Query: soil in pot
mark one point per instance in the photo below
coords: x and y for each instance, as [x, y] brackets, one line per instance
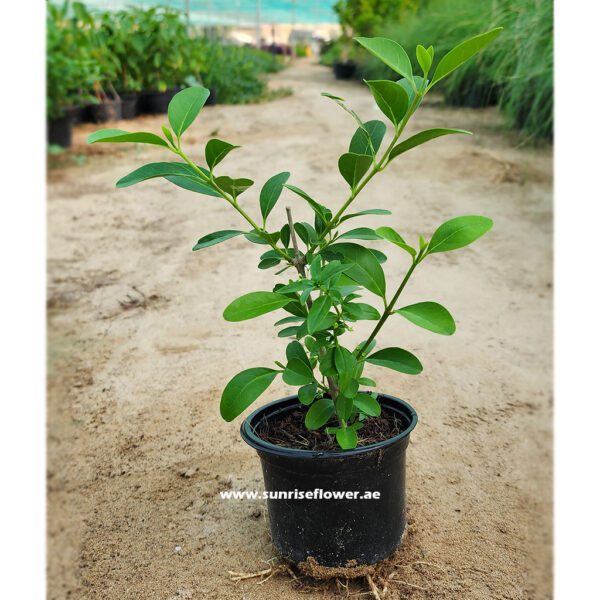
[288, 431]
[344, 70]
[60, 131]
[129, 106]
[107, 110]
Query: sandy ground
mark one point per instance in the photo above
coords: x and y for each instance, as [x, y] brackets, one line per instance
[134, 386]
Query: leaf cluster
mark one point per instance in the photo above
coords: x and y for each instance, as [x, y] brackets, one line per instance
[331, 277]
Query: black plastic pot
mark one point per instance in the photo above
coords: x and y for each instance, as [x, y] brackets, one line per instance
[60, 131]
[344, 70]
[129, 106]
[109, 110]
[212, 98]
[76, 113]
[157, 103]
[335, 531]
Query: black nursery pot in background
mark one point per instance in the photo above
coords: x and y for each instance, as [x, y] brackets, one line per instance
[109, 110]
[129, 106]
[335, 531]
[157, 103]
[60, 131]
[344, 70]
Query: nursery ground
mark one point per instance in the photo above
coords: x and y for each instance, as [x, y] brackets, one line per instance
[138, 354]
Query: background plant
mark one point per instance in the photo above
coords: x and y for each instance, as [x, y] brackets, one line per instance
[327, 269]
[134, 50]
[518, 75]
[235, 72]
[70, 67]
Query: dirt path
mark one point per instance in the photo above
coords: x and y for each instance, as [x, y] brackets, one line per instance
[134, 385]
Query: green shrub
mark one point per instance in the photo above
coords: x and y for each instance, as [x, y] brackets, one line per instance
[366, 17]
[235, 72]
[166, 47]
[516, 74]
[70, 68]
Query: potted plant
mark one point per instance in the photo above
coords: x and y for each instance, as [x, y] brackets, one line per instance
[69, 74]
[166, 52]
[336, 435]
[118, 32]
[344, 65]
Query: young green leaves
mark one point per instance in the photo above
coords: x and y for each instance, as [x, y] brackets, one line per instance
[457, 233]
[185, 107]
[244, 389]
[462, 53]
[270, 192]
[253, 305]
[390, 52]
[215, 151]
[391, 98]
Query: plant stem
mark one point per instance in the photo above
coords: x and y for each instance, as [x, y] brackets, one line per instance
[388, 311]
[231, 200]
[300, 267]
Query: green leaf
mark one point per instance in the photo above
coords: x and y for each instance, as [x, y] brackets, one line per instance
[287, 320]
[319, 209]
[319, 413]
[367, 139]
[332, 96]
[267, 263]
[216, 238]
[307, 393]
[421, 138]
[193, 185]
[318, 315]
[389, 52]
[244, 389]
[367, 381]
[233, 186]
[345, 365]
[295, 350]
[270, 192]
[431, 316]
[326, 365]
[297, 372]
[184, 108]
[359, 311]
[306, 232]
[423, 59]
[180, 174]
[365, 268]
[397, 359]
[253, 305]
[167, 133]
[289, 331]
[120, 136]
[346, 438]
[216, 150]
[370, 211]
[391, 98]
[459, 232]
[361, 233]
[391, 235]
[343, 407]
[331, 270]
[368, 405]
[463, 52]
[353, 167]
